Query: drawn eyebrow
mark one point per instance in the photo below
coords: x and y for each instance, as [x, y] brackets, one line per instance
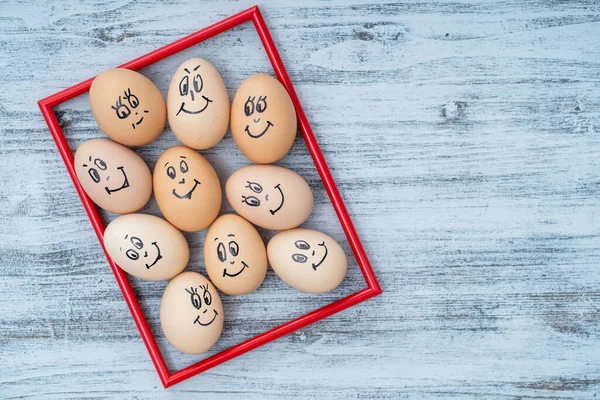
[126, 236]
[166, 163]
[198, 66]
[84, 165]
[215, 239]
[90, 158]
[182, 157]
[186, 70]
[231, 234]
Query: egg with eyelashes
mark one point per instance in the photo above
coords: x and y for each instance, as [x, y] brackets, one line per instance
[307, 260]
[263, 119]
[270, 196]
[113, 176]
[191, 313]
[186, 188]
[198, 104]
[234, 255]
[146, 246]
[127, 106]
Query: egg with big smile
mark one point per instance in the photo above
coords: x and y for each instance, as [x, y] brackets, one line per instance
[187, 189]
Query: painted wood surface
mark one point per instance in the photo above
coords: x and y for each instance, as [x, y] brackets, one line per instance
[464, 137]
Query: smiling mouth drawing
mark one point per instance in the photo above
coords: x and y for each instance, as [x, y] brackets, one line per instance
[158, 257]
[188, 195]
[269, 124]
[315, 266]
[244, 266]
[191, 111]
[123, 186]
[197, 320]
[282, 200]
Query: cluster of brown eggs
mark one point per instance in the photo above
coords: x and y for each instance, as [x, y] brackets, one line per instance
[131, 111]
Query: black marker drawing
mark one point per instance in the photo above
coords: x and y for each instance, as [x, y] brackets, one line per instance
[184, 90]
[196, 301]
[254, 201]
[123, 111]
[250, 107]
[95, 175]
[183, 168]
[134, 254]
[278, 187]
[301, 258]
[234, 250]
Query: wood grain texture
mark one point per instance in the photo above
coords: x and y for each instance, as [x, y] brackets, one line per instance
[464, 137]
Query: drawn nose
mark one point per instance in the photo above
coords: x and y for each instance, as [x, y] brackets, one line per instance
[182, 181]
[231, 262]
[108, 177]
[136, 113]
[145, 254]
[192, 93]
[204, 312]
[256, 121]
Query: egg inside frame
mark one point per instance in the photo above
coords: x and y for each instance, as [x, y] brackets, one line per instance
[372, 289]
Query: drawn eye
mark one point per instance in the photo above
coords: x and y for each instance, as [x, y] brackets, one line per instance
[299, 258]
[94, 175]
[255, 187]
[207, 297]
[131, 99]
[221, 252]
[249, 106]
[184, 85]
[171, 172]
[121, 109]
[196, 301]
[183, 166]
[234, 248]
[132, 254]
[252, 201]
[198, 83]
[302, 245]
[137, 242]
[100, 164]
[261, 104]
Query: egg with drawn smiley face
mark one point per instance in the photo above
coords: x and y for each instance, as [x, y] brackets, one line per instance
[270, 196]
[127, 106]
[234, 255]
[113, 176]
[186, 188]
[146, 246]
[307, 260]
[191, 313]
[263, 119]
[198, 104]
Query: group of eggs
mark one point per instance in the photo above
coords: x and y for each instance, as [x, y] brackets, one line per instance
[131, 111]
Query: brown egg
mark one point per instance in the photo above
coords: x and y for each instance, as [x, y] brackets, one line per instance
[263, 119]
[146, 246]
[114, 177]
[191, 313]
[198, 104]
[234, 255]
[307, 260]
[269, 196]
[127, 107]
[187, 189]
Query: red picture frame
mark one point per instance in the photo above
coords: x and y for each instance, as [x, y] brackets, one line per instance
[372, 289]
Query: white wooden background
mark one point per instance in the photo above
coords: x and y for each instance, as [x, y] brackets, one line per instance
[464, 137]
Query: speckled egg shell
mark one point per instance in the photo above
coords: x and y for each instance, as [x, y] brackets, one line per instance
[270, 196]
[114, 177]
[234, 255]
[146, 246]
[263, 119]
[307, 260]
[186, 188]
[127, 106]
[191, 313]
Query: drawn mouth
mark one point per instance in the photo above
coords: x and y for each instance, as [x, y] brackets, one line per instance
[315, 266]
[269, 124]
[197, 320]
[192, 111]
[123, 186]
[244, 266]
[282, 200]
[158, 257]
[188, 195]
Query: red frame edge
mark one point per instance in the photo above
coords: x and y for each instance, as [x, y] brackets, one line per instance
[373, 288]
